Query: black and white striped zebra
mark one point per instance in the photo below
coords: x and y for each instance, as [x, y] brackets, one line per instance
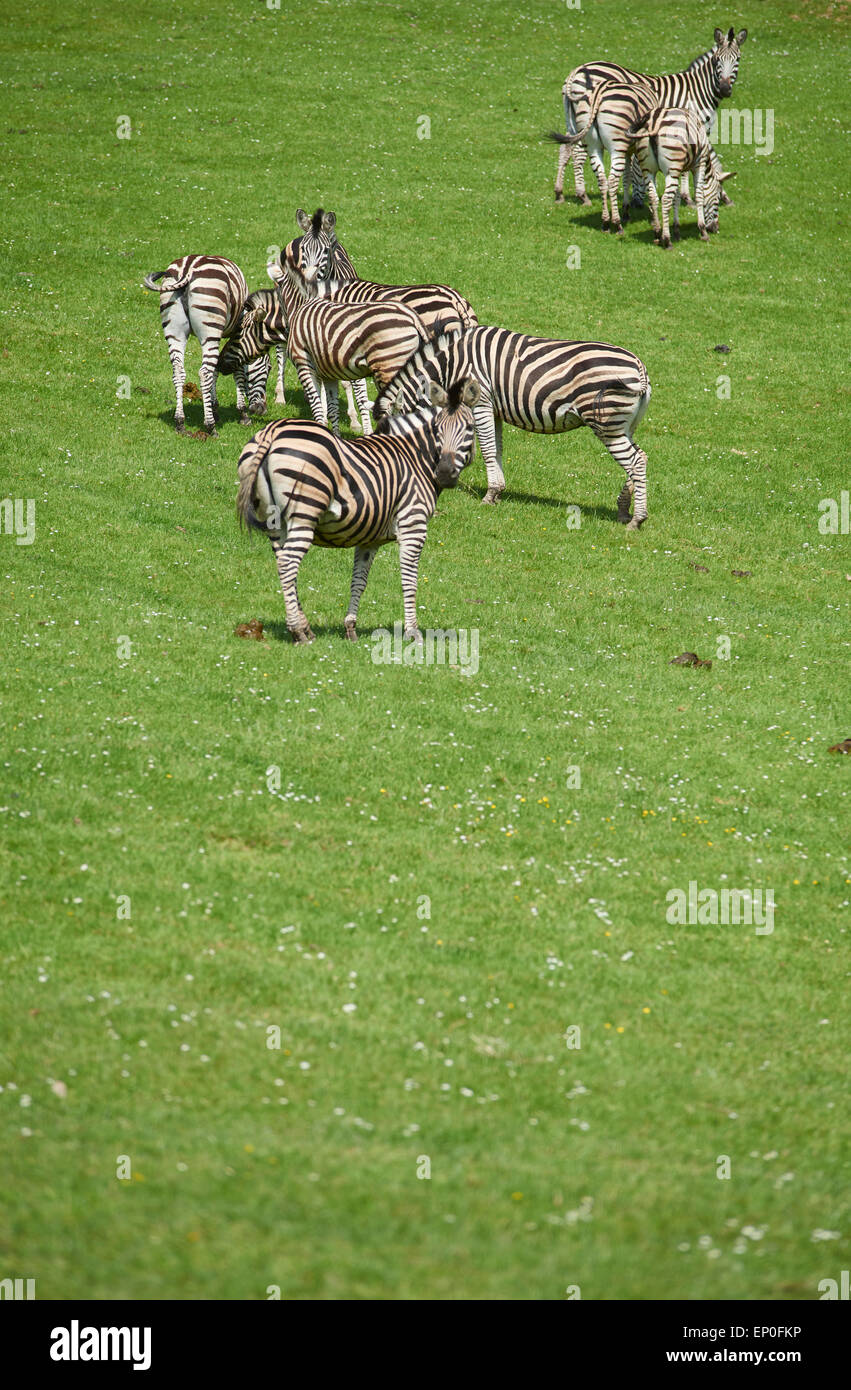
[200, 295]
[673, 141]
[331, 342]
[304, 487]
[616, 105]
[261, 325]
[539, 384]
[576, 97]
[434, 304]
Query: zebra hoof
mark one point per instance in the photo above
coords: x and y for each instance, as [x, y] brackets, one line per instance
[413, 634]
[584, 201]
[302, 635]
[491, 497]
[637, 521]
[624, 518]
[244, 419]
[559, 197]
[618, 231]
[180, 426]
[350, 634]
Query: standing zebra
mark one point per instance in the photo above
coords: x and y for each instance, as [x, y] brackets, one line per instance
[674, 141]
[331, 342]
[203, 295]
[304, 487]
[576, 96]
[433, 304]
[539, 384]
[615, 106]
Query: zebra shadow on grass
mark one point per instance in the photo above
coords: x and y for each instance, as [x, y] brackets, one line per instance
[532, 499]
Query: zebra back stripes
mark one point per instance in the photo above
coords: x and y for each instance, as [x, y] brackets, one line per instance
[433, 304]
[545, 385]
[303, 487]
[203, 295]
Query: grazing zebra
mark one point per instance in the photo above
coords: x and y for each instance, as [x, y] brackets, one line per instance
[576, 96]
[674, 141]
[539, 384]
[331, 342]
[615, 106]
[304, 487]
[261, 325]
[203, 295]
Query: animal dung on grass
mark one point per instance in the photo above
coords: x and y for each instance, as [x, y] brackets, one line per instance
[688, 659]
[721, 347]
[843, 747]
[253, 630]
[701, 569]
[741, 574]
[191, 392]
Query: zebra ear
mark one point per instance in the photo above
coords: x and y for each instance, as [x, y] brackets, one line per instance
[730, 175]
[304, 220]
[397, 405]
[719, 38]
[275, 272]
[437, 395]
[741, 36]
[329, 222]
[472, 392]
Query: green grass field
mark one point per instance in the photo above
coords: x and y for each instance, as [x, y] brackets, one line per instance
[162, 910]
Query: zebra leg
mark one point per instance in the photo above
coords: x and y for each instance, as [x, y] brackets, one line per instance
[281, 354]
[564, 155]
[360, 574]
[667, 202]
[240, 379]
[699, 187]
[634, 463]
[684, 191]
[289, 554]
[653, 200]
[332, 402]
[580, 155]
[616, 169]
[411, 540]
[176, 352]
[489, 430]
[209, 358]
[313, 393]
[354, 398]
[600, 170]
[675, 232]
[361, 396]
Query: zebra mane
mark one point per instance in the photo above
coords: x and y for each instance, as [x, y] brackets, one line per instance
[317, 221]
[407, 423]
[701, 58]
[429, 351]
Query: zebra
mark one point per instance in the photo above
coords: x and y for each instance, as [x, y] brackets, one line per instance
[261, 325]
[539, 384]
[433, 304]
[674, 141]
[203, 295]
[615, 106]
[304, 487]
[576, 95]
[332, 342]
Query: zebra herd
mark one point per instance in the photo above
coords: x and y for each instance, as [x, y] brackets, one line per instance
[442, 377]
[650, 124]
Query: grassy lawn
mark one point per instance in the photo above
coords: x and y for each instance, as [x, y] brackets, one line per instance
[513, 832]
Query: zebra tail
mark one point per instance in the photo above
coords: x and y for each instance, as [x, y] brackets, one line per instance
[251, 461]
[169, 286]
[638, 387]
[639, 124]
[150, 281]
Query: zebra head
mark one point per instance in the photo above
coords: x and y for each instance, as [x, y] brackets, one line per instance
[311, 256]
[454, 427]
[245, 356]
[713, 180]
[725, 58]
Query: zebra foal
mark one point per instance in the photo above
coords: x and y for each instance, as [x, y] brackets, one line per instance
[540, 384]
[305, 487]
[200, 295]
